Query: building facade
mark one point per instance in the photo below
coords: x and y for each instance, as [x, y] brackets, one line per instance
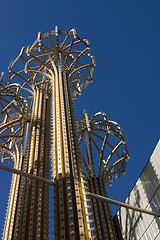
[132, 225]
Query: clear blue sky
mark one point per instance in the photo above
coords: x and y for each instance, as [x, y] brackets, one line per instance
[125, 40]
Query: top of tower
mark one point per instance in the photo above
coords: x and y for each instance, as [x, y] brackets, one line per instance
[106, 137]
[35, 63]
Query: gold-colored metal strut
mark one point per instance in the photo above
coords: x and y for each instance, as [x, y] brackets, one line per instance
[69, 194]
[36, 193]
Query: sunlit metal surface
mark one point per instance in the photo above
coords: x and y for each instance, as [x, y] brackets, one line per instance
[40, 136]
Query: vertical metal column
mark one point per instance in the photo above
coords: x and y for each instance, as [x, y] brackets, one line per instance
[27, 216]
[69, 218]
[34, 226]
[76, 166]
[102, 220]
[12, 203]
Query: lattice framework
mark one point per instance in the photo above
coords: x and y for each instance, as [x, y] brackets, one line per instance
[43, 81]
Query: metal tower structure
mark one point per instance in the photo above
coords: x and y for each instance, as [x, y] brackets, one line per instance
[41, 137]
